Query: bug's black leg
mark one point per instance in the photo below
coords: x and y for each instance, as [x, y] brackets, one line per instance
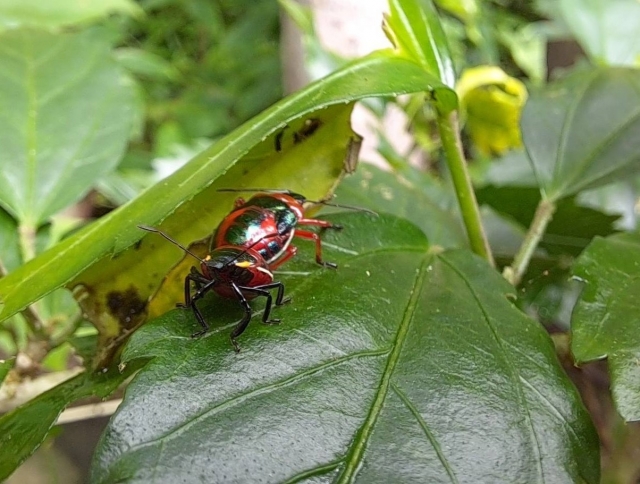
[190, 301]
[244, 322]
[263, 291]
[198, 279]
[280, 299]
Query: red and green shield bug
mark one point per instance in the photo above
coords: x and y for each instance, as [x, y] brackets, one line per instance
[232, 272]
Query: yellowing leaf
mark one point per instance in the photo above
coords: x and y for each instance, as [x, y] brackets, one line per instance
[492, 102]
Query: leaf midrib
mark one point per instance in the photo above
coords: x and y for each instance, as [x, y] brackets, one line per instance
[354, 457]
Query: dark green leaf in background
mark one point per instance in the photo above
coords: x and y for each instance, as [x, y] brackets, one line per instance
[392, 193]
[25, 428]
[66, 118]
[582, 132]
[606, 320]
[396, 367]
[569, 232]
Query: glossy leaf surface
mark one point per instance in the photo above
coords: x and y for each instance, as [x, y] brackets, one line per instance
[59, 13]
[66, 117]
[25, 428]
[396, 367]
[582, 132]
[605, 322]
[380, 74]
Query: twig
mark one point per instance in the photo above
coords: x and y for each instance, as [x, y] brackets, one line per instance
[544, 214]
[450, 136]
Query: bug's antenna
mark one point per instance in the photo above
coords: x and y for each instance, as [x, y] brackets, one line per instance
[348, 207]
[151, 229]
[253, 189]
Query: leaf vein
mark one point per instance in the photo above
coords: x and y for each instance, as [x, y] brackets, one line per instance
[427, 432]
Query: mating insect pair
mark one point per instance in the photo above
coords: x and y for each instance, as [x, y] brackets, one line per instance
[249, 243]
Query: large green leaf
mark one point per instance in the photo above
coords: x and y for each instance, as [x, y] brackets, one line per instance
[582, 132]
[66, 117]
[23, 430]
[414, 28]
[59, 13]
[400, 366]
[607, 30]
[605, 322]
[380, 74]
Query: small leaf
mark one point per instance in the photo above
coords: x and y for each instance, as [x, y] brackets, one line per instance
[5, 366]
[10, 256]
[60, 13]
[607, 31]
[414, 28]
[582, 132]
[66, 116]
[23, 430]
[492, 102]
[606, 319]
[392, 368]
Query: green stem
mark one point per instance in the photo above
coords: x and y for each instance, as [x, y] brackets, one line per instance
[450, 137]
[27, 235]
[544, 214]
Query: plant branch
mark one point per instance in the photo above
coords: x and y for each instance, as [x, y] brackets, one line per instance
[544, 214]
[27, 236]
[450, 136]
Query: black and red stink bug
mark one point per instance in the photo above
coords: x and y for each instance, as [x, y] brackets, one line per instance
[232, 272]
[268, 221]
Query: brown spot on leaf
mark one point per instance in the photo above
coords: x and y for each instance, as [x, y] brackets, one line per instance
[126, 307]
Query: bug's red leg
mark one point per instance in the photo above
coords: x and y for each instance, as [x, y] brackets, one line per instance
[319, 223]
[288, 254]
[304, 234]
[239, 202]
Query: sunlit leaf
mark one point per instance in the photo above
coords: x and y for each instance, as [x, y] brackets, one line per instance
[414, 28]
[66, 116]
[60, 13]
